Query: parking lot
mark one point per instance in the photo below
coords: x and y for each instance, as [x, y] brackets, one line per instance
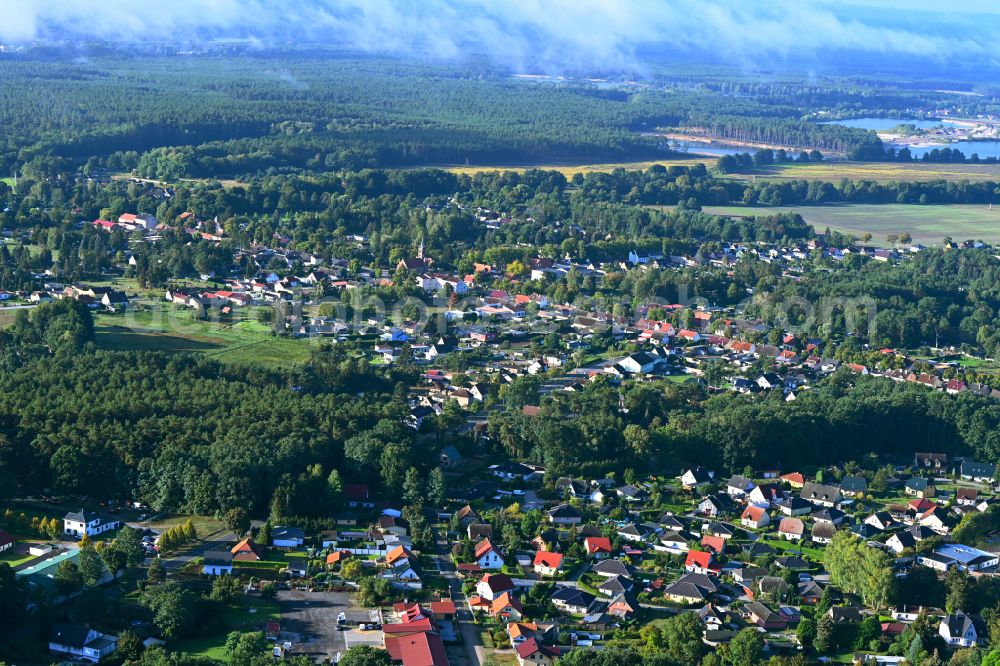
[309, 622]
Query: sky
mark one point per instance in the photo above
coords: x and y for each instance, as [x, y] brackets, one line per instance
[606, 33]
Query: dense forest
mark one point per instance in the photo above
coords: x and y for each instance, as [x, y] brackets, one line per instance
[226, 116]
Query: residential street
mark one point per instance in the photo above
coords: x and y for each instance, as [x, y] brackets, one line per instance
[475, 653]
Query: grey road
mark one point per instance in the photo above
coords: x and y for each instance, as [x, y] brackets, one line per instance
[474, 651]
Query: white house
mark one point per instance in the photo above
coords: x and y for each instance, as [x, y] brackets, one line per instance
[78, 523]
[696, 477]
[217, 563]
[83, 642]
[488, 556]
[639, 362]
[959, 630]
[493, 585]
[755, 517]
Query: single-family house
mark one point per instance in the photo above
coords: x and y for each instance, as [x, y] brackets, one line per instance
[853, 486]
[715, 505]
[572, 600]
[78, 523]
[217, 562]
[691, 588]
[81, 642]
[962, 630]
[598, 547]
[533, 653]
[978, 471]
[695, 478]
[491, 586]
[820, 494]
[822, 532]
[489, 556]
[547, 563]
[699, 562]
[766, 495]
[507, 608]
[791, 528]
[564, 514]
[611, 568]
[283, 536]
[880, 520]
[754, 517]
[918, 486]
[764, 617]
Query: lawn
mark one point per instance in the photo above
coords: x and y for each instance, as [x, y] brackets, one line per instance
[926, 224]
[161, 327]
[247, 615]
[834, 171]
[784, 545]
[15, 559]
[205, 526]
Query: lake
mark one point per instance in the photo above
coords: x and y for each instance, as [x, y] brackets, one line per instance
[983, 148]
[717, 148]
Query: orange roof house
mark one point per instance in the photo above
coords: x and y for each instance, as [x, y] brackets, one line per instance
[337, 557]
[246, 551]
[506, 606]
[547, 563]
[396, 554]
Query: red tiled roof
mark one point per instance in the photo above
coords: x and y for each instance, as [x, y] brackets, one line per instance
[483, 547]
[417, 650]
[598, 545]
[532, 646]
[714, 543]
[443, 607]
[421, 625]
[698, 558]
[548, 559]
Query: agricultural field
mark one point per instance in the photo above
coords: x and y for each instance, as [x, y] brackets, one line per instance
[160, 327]
[7, 181]
[926, 224]
[835, 170]
[569, 170]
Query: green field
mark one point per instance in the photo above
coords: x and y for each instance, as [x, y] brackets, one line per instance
[247, 615]
[7, 181]
[160, 327]
[834, 171]
[927, 224]
[570, 170]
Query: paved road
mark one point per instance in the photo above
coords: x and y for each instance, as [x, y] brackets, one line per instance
[475, 653]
